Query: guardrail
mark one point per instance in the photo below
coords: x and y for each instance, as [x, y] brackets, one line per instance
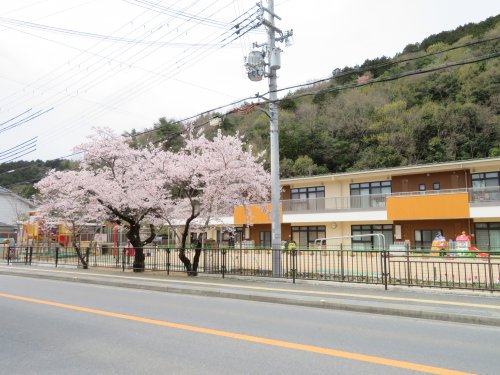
[446, 269]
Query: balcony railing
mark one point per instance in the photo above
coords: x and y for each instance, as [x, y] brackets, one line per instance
[374, 201]
[484, 194]
[378, 201]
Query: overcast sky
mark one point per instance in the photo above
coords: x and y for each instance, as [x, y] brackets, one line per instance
[67, 66]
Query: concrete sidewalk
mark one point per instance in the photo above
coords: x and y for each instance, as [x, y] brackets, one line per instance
[474, 307]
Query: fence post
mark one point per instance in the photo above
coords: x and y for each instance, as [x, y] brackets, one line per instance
[384, 252]
[294, 264]
[57, 255]
[408, 267]
[31, 254]
[223, 266]
[490, 271]
[26, 257]
[8, 255]
[123, 258]
[342, 271]
[167, 266]
[156, 255]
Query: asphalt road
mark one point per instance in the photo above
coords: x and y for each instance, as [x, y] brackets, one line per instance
[69, 328]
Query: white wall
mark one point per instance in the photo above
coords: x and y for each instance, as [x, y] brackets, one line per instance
[12, 208]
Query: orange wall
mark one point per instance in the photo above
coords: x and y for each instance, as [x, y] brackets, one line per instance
[418, 207]
[254, 214]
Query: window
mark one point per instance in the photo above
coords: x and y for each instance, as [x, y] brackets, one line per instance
[487, 236]
[485, 186]
[305, 236]
[308, 192]
[371, 242]
[265, 239]
[424, 237]
[436, 186]
[369, 194]
[421, 187]
[308, 198]
[481, 180]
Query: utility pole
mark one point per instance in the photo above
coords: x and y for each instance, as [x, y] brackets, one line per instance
[256, 67]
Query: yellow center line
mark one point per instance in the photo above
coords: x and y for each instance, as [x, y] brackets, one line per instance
[255, 339]
[268, 289]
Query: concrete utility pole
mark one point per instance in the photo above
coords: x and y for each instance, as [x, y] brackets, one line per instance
[256, 70]
[275, 148]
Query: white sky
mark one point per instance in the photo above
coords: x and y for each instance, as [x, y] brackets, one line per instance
[93, 82]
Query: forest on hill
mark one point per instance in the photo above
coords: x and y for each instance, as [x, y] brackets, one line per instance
[438, 100]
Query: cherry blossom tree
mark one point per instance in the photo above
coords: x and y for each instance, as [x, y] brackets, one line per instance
[193, 187]
[63, 200]
[207, 179]
[122, 184]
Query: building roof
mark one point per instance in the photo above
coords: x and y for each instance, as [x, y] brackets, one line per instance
[4, 225]
[409, 169]
[4, 191]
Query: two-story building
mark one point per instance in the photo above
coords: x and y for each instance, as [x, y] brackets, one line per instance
[413, 203]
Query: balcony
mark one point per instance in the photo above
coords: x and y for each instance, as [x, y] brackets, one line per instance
[485, 194]
[356, 202]
[475, 196]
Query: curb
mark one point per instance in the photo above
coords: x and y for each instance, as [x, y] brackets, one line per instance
[391, 311]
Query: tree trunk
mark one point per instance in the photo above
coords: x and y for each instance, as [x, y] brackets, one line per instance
[185, 260]
[134, 237]
[83, 260]
[74, 234]
[182, 252]
[197, 254]
[139, 264]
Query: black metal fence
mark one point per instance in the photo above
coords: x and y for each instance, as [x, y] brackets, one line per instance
[455, 270]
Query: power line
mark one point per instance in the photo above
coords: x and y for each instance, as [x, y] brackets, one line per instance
[18, 147]
[398, 76]
[137, 89]
[13, 118]
[27, 119]
[51, 80]
[98, 79]
[388, 64]
[19, 154]
[106, 38]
